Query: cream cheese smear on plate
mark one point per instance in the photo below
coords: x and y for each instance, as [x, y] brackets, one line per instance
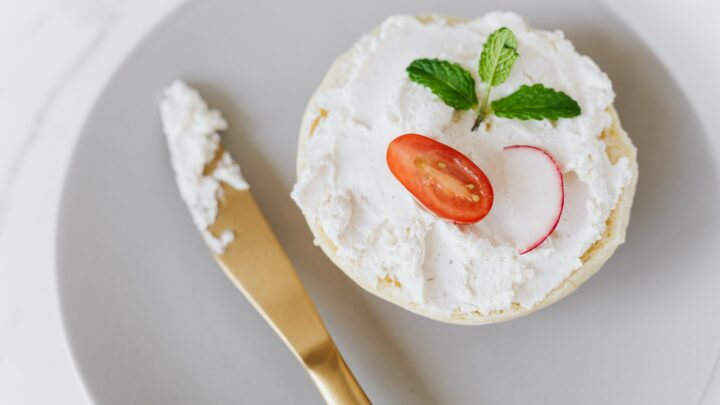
[191, 129]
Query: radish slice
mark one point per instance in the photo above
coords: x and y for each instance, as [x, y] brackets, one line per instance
[536, 194]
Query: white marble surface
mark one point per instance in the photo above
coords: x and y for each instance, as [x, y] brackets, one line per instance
[56, 55]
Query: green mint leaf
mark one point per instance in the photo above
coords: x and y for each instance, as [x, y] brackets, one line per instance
[536, 102]
[449, 81]
[498, 56]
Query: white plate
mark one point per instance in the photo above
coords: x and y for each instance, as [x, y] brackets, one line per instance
[151, 319]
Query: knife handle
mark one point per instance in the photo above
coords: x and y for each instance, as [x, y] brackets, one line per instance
[333, 377]
[257, 265]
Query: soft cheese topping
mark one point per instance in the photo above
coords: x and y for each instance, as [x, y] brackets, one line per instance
[379, 232]
[191, 129]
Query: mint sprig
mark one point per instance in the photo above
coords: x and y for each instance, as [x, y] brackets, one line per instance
[456, 87]
[536, 102]
[449, 81]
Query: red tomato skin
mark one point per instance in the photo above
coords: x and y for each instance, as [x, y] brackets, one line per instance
[417, 161]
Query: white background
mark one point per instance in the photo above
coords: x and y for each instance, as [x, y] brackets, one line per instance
[55, 57]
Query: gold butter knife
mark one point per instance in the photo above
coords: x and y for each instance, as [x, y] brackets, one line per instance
[243, 243]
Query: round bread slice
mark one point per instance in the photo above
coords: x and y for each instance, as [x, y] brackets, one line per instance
[618, 145]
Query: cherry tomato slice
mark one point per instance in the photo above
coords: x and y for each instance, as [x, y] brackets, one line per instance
[442, 179]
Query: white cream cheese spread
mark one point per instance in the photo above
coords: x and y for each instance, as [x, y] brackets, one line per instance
[191, 129]
[378, 230]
